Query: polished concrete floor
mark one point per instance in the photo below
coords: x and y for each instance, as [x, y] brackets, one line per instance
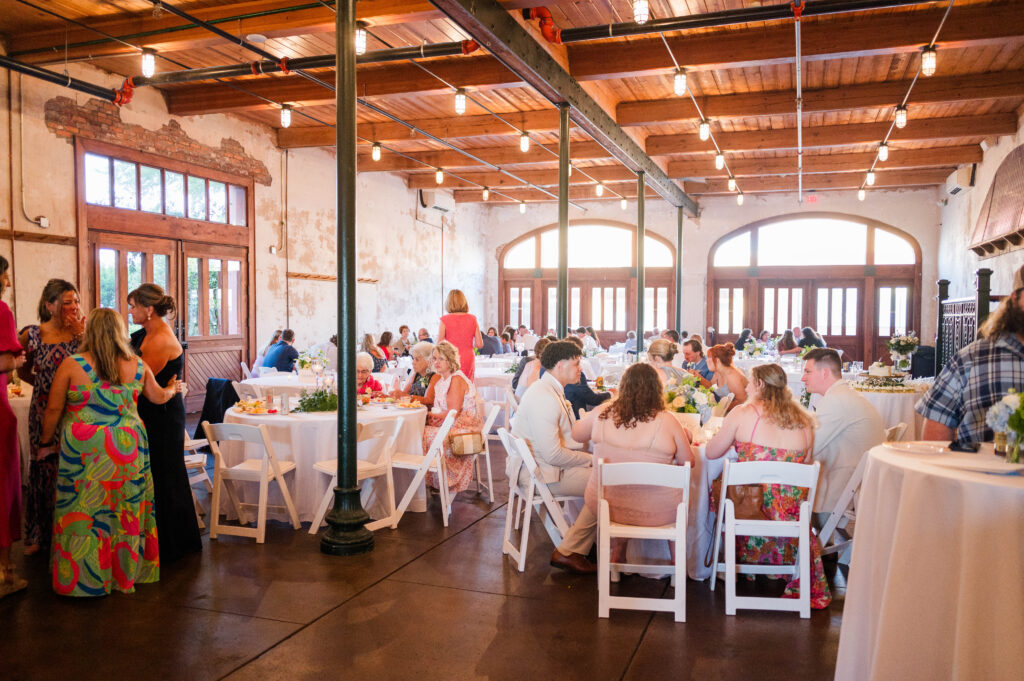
[428, 603]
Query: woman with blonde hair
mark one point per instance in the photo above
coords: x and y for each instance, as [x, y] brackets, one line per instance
[659, 355]
[105, 534]
[371, 348]
[461, 329]
[453, 390]
[772, 426]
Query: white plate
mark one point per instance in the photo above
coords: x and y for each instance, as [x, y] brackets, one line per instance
[918, 447]
[983, 464]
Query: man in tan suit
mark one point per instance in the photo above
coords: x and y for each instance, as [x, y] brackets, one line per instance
[545, 419]
[848, 425]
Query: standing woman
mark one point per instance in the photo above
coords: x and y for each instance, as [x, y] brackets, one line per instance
[11, 357]
[165, 424]
[61, 329]
[461, 329]
[105, 535]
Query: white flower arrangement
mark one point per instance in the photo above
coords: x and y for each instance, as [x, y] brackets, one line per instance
[688, 396]
[904, 344]
[307, 359]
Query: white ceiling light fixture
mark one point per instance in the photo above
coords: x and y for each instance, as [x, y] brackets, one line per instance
[599, 189]
[486, 194]
[148, 62]
[732, 184]
[256, 38]
[870, 179]
[883, 152]
[524, 142]
[861, 194]
[622, 204]
[522, 207]
[719, 161]
[679, 82]
[375, 151]
[901, 116]
[928, 61]
[286, 115]
[739, 199]
[460, 101]
[361, 37]
[641, 11]
[439, 176]
[704, 130]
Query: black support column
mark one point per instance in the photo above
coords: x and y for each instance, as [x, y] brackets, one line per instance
[679, 269]
[562, 299]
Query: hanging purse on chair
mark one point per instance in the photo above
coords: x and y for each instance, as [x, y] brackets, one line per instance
[466, 444]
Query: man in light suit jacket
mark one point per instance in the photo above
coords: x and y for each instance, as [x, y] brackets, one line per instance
[848, 426]
[545, 419]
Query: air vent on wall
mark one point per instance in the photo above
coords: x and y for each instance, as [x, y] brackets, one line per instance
[961, 179]
[438, 200]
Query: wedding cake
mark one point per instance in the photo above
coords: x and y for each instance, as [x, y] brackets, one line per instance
[879, 369]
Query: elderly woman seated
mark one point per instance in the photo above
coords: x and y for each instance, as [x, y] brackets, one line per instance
[452, 390]
[421, 384]
[365, 382]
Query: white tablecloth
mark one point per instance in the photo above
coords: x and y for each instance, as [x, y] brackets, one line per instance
[308, 438]
[898, 408]
[935, 588]
[492, 377]
[281, 384]
[20, 406]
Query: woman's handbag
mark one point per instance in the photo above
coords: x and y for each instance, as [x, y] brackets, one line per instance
[466, 444]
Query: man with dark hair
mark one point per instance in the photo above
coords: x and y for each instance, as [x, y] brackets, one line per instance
[424, 336]
[848, 425]
[671, 335]
[696, 362]
[579, 394]
[282, 354]
[588, 341]
[979, 375]
[545, 419]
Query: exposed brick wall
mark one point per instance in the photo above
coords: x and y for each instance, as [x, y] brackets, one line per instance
[100, 120]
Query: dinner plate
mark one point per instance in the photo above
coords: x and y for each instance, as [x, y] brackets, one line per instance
[918, 447]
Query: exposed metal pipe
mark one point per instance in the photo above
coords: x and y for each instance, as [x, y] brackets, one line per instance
[640, 238]
[798, 9]
[59, 79]
[679, 269]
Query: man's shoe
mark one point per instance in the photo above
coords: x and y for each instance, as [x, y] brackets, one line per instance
[575, 563]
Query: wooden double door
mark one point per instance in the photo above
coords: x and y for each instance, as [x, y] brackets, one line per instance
[209, 286]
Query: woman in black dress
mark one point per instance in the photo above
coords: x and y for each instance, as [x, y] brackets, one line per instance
[177, 529]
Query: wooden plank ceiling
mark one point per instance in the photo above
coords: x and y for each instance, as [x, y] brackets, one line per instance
[856, 68]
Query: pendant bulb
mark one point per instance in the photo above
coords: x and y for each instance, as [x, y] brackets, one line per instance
[360, 38]
[870, 179]
[522, 207]
[732, 184]
[901, 117]
[623, 204]
[148, 62]
[524, 142]
[719, 161]
[928, 61]
[883, 152]
[375, 151]
[861, 194]
[439, 176]
[486, 194]
[460, 101]
[679, 82]
[641, 11]
[599, 189]
[739, 199]
[704, 130]
[286, 116]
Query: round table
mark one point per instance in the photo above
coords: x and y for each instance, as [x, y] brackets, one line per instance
[935, 590]
[20, 406]
[896, 408]
[308, 438]
[281, 384]
[493, 378]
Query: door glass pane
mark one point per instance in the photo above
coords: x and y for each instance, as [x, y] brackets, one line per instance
[782, 243]
[851, 312]
[737, 310]
[734, 253]
[552, 307]
[607, 320]
[620, 308]
[798, 309]
[237, 205]
[152, 200]
[574, 308]
[892, 250]
[233, 293]
[837, 311]
[524, 299]
[901, 311]
[134, 261]
[160, 263]
[193, 296]
[174, 191]
[125, 188]
[723, 310]
[662, 308]
[769, 308]
[648, 308]
[214, 297]
[218, 202]
[108, 278]
[97, 180]
[822, 321]
[783, 320]
[595, 308]
[513, 305]
[196, 198]
[523, 254]
[884, 311]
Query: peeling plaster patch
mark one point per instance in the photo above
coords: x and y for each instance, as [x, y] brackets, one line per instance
[100, 120]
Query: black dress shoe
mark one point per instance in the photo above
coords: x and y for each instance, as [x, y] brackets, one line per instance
[575, 563]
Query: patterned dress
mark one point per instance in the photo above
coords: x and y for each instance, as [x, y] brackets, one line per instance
[420, 384]
[105, 535]
[42, 475]
[781, 502]
[459, 469]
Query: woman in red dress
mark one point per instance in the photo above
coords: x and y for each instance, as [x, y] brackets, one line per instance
[12, 356]
[461, 329]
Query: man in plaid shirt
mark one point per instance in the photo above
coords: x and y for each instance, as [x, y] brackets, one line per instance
[979, 375]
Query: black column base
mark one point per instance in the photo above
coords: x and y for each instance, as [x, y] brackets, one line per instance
[345, 534]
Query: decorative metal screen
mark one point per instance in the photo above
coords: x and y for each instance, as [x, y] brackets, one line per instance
[959, 326]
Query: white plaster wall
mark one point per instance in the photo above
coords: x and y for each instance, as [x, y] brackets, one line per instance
[956, 261]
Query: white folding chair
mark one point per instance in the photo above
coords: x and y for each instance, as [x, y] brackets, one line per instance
[895, 433]
[374, 449]
[268, 371]
[247, 391]
[523, 498]
[492, 416]
[263, 470]
[246, 374]
[422, 463]
[728, 527]
[647, 474]
[195, 466]
[511, 407]
[387, 381]
[723, 405]
[837, 532]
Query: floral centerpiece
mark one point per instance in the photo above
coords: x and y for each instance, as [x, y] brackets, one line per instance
[901, 348]
[310, 359]
[688, 396]
[1006, 419]
[321, 399]
[756, 348]
[804, 351]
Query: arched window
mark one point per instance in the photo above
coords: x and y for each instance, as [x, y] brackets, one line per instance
[854, 280]
[602, 280]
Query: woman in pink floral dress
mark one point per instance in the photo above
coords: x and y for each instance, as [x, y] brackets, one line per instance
[452, 391]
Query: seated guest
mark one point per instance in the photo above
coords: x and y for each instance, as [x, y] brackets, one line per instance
[579, 394]
[452, 390]
[660, 355]
[526, 337]
[545, 421]
[506, 344]
[727, 379]
[420, 385]
[765, 336]
[696, 364]
[331, 350]
[684, 334]
[671, 335]
[787, 345]
[593, 334]
[404, 342]
[424, 335]
[492, 332]
[746, 336]
[848, 425]
[365, 382]
[810, 339]
[697, 337]
[370, 348]
[282, 354]
[529, 369]
[492, 344]
[385, 345]
[772, 426]
[979, 375]
[589, 344]
[631, 342]
[256, 365]
[636, 427]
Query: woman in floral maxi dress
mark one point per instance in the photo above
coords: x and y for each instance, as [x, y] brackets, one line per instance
[452, 391]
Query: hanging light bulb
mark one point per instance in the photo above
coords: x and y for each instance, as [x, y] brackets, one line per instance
[679, 82]
[360, 37]
[375, 151]
[861, 194]
[719, 161]
[623, 204]
[641, 11]
[928, 61]
[439, 176]
[486, 194]
[524, 142]
[460, 101]
[870, 179]
[599, 189]
[883, 152]
[732, 184]
[148, 62]
[570, 170]
[901, 117]
[705, 130]
[286, 116]
[739, 199]
[522, 207]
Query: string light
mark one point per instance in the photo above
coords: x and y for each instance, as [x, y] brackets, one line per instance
[861, 194]
[928, 61]
[570, 170]
[739, 199]
[704, 130]
[360, 37]
[439, 176]
[641, 11]
[623, 204]
[375, 151]
[148, 62]
[286, 116]
[870, 179]
[522, 207]
[901, 117]
[883, 152]
[524, 142]
[599, 189]
[732, 184]
[486, 194]
[719, 161]
[679, 82]
[460, 101]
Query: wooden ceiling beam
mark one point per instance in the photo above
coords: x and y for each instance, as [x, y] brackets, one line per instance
[936, 90]
[499, 156]
[823, 38]
[883, 179]
[543, 178]
[534, 196]
[837, 135]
